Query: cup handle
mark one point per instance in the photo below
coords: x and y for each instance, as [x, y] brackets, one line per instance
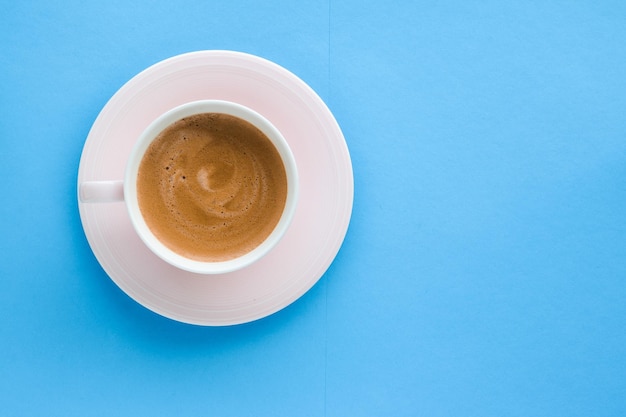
[101, 191]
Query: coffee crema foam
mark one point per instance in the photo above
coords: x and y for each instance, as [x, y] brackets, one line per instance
[211, 187]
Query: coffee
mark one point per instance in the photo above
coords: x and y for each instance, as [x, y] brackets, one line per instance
[211, 187]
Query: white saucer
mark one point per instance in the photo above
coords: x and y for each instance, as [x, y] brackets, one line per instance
[324, 207]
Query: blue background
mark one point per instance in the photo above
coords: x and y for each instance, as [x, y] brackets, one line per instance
[484, 270]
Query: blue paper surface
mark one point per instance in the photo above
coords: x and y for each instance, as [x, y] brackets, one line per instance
[484, 270]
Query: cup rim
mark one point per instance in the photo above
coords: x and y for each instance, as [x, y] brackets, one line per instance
[142, 144]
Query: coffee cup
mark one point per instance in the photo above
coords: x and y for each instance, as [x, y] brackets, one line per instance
[210, 186]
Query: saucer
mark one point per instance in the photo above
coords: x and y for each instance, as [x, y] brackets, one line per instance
[318, 227]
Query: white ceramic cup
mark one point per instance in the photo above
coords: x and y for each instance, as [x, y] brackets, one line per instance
[126, 190]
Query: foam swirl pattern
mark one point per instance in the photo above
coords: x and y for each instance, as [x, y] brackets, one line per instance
[211, 187]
